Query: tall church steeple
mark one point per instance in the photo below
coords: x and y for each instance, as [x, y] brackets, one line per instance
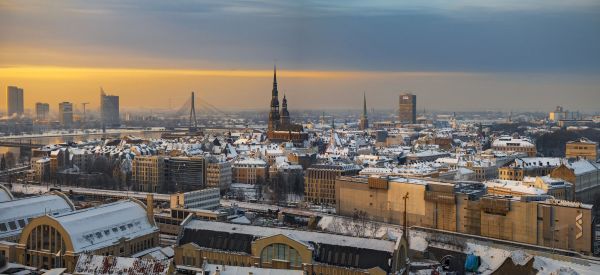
[364, 120]
[285, 115]
[274, 113]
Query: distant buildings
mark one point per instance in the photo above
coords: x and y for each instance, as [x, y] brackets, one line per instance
[558, 114]
[42, 111]
[14, 101]
[109, 110]
[407, 113]
[65, 114]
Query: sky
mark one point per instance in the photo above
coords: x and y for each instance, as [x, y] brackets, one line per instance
[455, 55]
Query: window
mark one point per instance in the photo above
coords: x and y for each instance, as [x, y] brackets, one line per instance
[12, 225]
[283, 252]
[21, 223]
[3, 227]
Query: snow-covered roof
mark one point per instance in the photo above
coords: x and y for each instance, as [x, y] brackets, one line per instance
[212, 269]
[515, 186]
[97, 265]
[305, 236]
[582, 166]
[505, 141]
[16, 213]
[101, 226]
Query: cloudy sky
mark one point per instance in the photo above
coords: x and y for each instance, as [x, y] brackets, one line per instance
[455, 55]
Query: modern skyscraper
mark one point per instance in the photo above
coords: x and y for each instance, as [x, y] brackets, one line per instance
[65, 114]
[407, 109]
[364, 120]
[109, 110]
[14, 100]
[42, 110]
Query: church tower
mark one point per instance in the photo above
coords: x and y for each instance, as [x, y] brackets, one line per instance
[285, 115]
[274, 113]
[364, 120]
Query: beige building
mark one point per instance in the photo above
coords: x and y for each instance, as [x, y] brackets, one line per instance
[250, 171]
[219, 175]
[319, 181]
[582, 148]
[148, 173]
[464, 208]
[121, 228]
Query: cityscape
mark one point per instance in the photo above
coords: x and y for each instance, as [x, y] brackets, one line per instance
[267, 137]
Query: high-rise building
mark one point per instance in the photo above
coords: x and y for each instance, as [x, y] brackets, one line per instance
[280, 128]
[274, 113]
[319, 182]
[65, 114]
[14, 100]
[184, 174]
[407, 109]
[364, 120]
[148, 173]
[109, 110]
[219, 174]
[42, 110]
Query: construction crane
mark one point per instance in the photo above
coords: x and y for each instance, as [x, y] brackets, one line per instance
[84, 118]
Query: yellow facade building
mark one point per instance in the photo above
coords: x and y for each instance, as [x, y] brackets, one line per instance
[583, 148]
[121, 228]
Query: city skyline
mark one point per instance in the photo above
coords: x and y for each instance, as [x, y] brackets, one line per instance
[508, 55]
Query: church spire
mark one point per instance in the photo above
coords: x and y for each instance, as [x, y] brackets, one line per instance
[364, 104]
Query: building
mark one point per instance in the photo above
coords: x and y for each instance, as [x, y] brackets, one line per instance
[109, 110]
[219, 174]
[205, 199]
[320, 181]
[584, 175]
[531, 186]
[465, 208]
[221, 243]
[65, 114]
[14, 101]
[185, 174]
[558, 114]
[42, 111]
[121, 229]
[280, 128]
[528, 167]
[512, 144]
[250, 171]
[16, 214]
[582, 148]
[42, 169]
[148, 173]
[364, 120]
[407, 113]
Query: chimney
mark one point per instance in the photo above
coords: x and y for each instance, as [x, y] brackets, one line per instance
[150, 206]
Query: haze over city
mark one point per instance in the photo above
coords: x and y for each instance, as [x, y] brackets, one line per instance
[507, 55]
